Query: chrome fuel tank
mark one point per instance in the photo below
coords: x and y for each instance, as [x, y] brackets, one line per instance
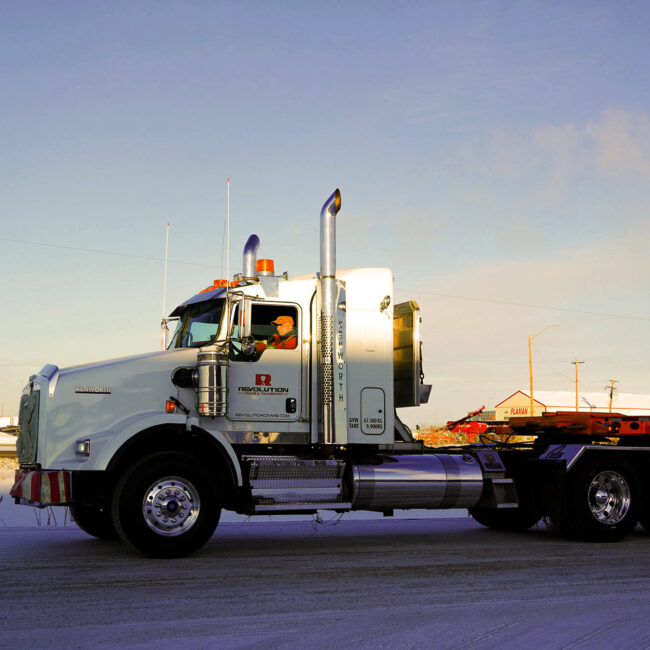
[429, 481]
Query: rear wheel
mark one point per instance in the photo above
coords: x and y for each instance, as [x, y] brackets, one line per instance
[166, 505]
[506, 518]
[601, 501]
[94, 520]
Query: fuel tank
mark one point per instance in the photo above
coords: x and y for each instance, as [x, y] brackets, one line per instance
[429, 481]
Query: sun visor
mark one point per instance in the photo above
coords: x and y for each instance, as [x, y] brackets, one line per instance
[199, 297]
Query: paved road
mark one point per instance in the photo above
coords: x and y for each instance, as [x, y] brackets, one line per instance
[442, 583]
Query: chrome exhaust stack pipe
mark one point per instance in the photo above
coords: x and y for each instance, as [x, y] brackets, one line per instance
[328, 235]
[328, 299]
[250, 258]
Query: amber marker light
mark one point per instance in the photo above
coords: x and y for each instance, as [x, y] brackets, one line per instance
[265, 267]
[170, 407]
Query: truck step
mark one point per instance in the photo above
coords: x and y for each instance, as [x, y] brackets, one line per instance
[499, 492]
[292, 483]
[301, 507]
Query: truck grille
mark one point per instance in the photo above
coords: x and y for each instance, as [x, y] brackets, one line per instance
[28, 422]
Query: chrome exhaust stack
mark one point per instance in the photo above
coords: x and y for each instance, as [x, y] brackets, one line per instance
[330, 344]
[328, 235]
[250, 258]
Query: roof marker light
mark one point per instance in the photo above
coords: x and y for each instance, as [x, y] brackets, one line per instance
[265, 267]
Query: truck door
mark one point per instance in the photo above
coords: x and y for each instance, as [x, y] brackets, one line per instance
[266, 386]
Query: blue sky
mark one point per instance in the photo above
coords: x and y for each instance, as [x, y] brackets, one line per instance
[498, 152]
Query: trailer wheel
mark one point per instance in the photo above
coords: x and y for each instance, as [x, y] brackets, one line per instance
[601, 502]
[167, 505]
[506, 518]
[94, 520]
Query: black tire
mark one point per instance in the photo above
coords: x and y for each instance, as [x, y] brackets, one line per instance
[506, 518]
[601, 501]
[94, 520]
[188, 505]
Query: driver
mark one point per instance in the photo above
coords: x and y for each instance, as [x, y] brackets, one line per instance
[285, 336]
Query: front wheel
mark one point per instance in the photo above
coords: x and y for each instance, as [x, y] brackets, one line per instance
[94, 520]
[167, 505]
[601, 501]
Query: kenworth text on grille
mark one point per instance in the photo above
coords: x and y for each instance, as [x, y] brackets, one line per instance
[277, 395]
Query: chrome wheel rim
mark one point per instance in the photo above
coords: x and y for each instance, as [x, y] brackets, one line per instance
[171, 506]
[609, 497]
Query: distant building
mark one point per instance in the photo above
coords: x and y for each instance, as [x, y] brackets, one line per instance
[486, 416]
[518, 404]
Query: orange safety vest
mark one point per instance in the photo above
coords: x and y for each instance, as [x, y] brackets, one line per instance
[289, 342]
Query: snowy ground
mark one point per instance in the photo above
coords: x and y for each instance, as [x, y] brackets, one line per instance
[440, 583]
[382, 583]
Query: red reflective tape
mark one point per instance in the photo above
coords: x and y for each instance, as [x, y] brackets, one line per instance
[35, 492]
[55, 489]
[43, 487]
[17, 489]
[67, 486]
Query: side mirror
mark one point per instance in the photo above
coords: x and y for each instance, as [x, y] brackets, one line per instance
[245, 317]
[248, 346]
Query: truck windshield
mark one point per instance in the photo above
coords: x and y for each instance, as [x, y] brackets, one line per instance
[198, 325]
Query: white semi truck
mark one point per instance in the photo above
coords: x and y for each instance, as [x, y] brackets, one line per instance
[277, 395]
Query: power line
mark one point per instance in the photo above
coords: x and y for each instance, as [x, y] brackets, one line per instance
[100, 252]
[520, 304]
[405, 289]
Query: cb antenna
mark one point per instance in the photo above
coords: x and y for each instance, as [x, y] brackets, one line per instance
[164, 321]
[227, 320]
[228, 237]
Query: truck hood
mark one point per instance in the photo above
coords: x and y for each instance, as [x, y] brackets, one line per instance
[111, 362]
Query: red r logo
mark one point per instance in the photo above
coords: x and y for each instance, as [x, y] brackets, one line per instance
[262, 380]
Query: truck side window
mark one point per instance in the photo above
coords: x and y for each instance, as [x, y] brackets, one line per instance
[274, 326]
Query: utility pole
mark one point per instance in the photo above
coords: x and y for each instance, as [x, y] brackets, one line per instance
[611, 388]
[576, 363]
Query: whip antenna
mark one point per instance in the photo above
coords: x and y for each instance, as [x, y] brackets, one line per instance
[228, 237]
[163, 322]
[227, 320]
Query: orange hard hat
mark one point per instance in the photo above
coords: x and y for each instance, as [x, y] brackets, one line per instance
[282, 320]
